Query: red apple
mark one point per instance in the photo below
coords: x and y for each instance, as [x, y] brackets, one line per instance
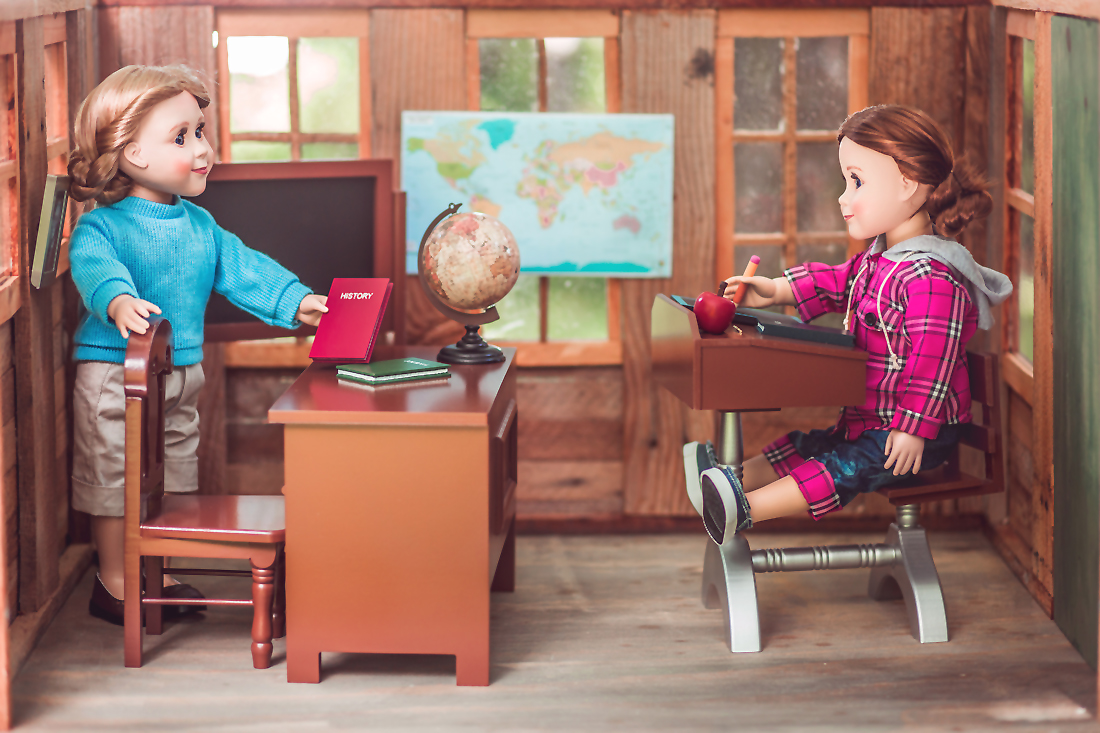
[713, 313]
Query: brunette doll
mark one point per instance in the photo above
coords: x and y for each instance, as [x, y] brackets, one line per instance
[139, 145]
[912, 300]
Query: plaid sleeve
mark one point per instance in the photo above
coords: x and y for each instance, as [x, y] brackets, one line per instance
[819, 289]
[934, 317]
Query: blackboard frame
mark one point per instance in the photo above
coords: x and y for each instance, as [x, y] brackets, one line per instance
[389, 237]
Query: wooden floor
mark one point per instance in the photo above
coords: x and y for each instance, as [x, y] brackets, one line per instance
[607, 633]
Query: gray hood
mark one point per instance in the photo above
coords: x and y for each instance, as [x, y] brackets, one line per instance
[985, 287]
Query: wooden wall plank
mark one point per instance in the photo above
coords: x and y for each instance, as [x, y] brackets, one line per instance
[668, 67]
[559, 489]
[35, 412]
[541, 4]
[18, 9]
[162, 35]
[1043, 395]
[418, 58]
[1075, 50]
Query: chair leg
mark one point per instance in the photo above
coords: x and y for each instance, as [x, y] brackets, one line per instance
[278, 611]
[133, 631]
[913, 578]
[729, 582]
[263, 596]
[154, 588]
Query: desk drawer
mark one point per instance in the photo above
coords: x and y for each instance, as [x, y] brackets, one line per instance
[503, 469]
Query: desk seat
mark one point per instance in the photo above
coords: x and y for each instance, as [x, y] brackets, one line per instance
[219, 518]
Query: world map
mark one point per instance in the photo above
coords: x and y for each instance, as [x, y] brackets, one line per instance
[587, 195]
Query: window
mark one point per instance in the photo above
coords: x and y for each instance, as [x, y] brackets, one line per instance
[784, 82]
[550, 61]
[1020, 185]
[298, 85]
[9, 192]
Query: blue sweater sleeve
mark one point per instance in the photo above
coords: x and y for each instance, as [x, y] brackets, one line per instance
[99, 275]
[255, 282]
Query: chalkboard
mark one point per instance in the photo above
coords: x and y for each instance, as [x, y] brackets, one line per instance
[320, 220]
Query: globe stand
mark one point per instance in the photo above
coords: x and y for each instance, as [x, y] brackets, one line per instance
[471, 349]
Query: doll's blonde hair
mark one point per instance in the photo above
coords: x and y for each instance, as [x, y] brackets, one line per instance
[923, 153]
[109, 118]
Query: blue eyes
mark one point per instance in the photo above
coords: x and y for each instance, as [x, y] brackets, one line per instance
[856, 179]
[183, 134]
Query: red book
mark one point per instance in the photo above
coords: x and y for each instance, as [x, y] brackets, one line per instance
[348, 332]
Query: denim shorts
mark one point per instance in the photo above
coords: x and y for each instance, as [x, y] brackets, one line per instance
[831, 471]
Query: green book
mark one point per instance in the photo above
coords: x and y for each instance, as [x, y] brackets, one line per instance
[393, 370]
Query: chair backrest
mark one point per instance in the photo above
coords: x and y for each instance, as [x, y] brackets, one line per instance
[148, 362]
[951, 481]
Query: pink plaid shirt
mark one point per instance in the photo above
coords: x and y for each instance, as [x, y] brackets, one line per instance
[928, 317]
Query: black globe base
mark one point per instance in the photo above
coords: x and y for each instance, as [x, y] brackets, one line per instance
[471, 349]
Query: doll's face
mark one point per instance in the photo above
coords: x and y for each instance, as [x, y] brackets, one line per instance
[170, 154]
[877, 198]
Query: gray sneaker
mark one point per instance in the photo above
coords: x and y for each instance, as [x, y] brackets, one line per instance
[725, 507]
[698, 457]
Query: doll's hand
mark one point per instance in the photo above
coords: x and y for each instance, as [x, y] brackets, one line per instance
[311, 308]
[903, 452]
[129, 314]
[760, 292]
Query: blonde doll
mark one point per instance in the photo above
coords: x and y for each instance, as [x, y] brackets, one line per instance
[139, 145]
[913, 300]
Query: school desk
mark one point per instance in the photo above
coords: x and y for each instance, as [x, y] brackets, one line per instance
[743, 372]
[400, 509]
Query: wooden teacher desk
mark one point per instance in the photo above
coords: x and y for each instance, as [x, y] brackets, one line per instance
[400, 509]
[735, 373]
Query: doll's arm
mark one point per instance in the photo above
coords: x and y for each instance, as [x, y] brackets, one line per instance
[256, 283]
[817, 289]
[934, 317]
[99, 276]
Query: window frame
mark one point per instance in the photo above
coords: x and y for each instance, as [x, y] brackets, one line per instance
[293, 25]
[539, 25]
[855, 23]
[1019, 372]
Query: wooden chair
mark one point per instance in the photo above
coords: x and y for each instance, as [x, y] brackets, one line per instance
[159, 525]
[902, 566]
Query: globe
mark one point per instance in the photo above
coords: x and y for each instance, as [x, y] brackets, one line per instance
[471, 261]
[468, 262]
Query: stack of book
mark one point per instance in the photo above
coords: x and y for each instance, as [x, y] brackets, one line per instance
[392, 371]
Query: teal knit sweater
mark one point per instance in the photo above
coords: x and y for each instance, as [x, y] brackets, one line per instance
[172, 255]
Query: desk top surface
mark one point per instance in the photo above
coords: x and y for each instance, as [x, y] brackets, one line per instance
[318, 396]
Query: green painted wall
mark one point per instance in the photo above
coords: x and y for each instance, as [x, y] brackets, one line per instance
[1076, 255]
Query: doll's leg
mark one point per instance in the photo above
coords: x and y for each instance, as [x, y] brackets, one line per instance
[781, 498]
[108, 533]
[758, 472]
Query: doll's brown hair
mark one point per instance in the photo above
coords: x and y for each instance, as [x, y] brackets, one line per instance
[109, 118]
[923, 154]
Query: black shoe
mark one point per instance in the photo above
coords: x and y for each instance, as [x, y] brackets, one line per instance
[725, 508]
[105, 606]
[181, 590]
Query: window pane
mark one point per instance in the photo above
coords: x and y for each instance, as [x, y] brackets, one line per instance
[259, 86]
[509, 74]
[771, 259]
[822, 94]
[574, 75]
[1026, 295]
[830, 254]
[328, 84]
[758, 171]
[247, 151]
[519, 313]
[758, 84]
[820, 184]
[328, 151]
[1027, 94]
[577, 309]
